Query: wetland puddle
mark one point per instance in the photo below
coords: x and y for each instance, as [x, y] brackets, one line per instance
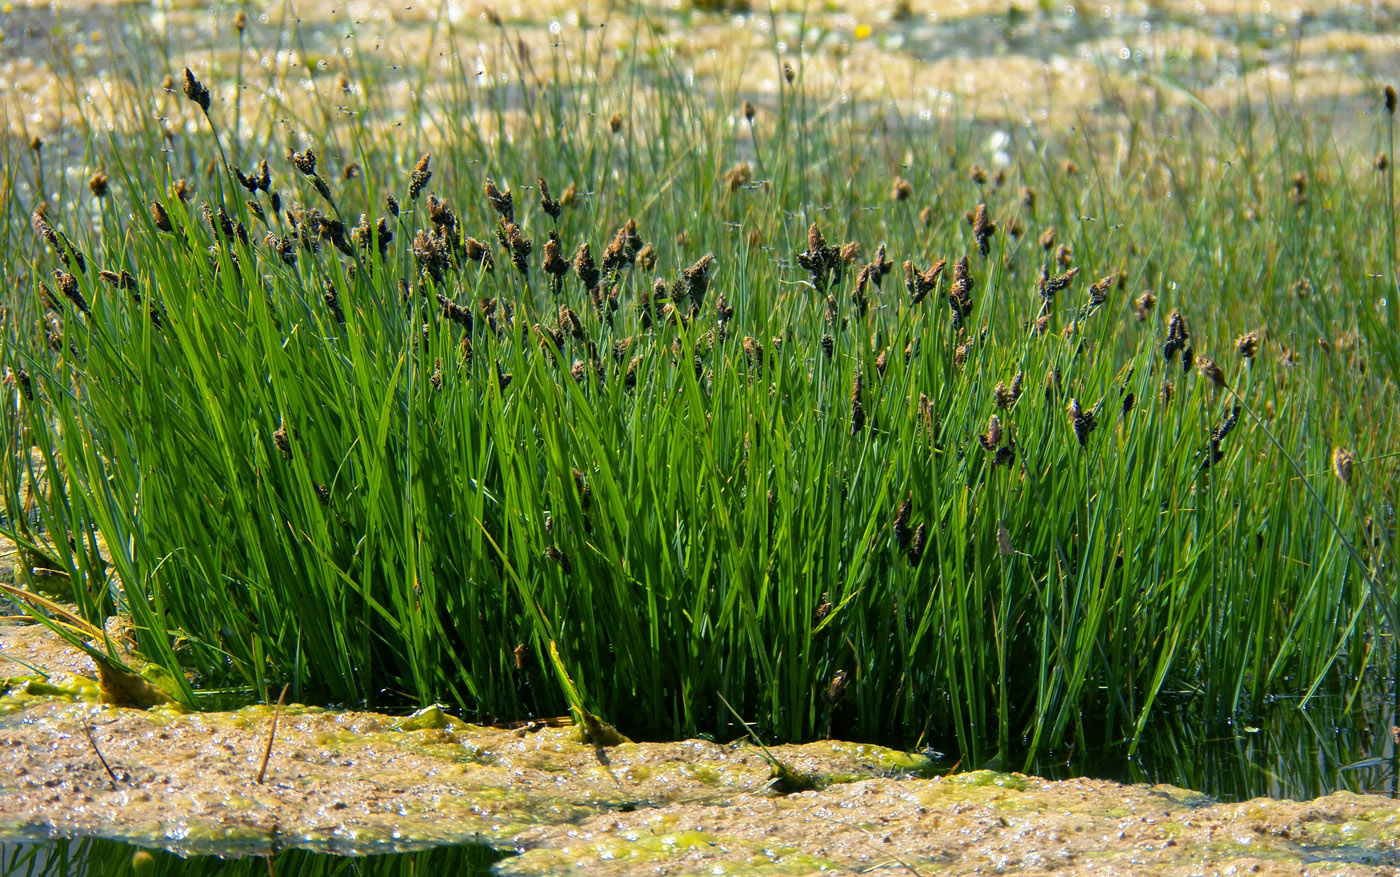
[357, 783]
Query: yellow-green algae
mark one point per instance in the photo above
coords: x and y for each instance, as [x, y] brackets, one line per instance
[363, 782]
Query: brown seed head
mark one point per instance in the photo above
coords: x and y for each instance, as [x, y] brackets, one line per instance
[547, 204]
[22, 380]
[554, 264]
[615, 122]
[1002, 395]
[920, 283]
[695, 280]
[737, 176]
[900, 527]
[915, 551]
[160, 217]
[282, 440]
[585, 267]
[1248, 345]
[501, 202]
[982, 228]
[195, 91]
[68, 285]
[1144, 305]
[749, 110]
[560, 558]
[518, 245]
[857, 408]
[1098, 290]
[836, 688]
[960, 292]
[417, 178]
[1389, 94]
[45, 231]
[478, 252]
[1083, 421]
[991, 439]
[1211, 369]
[902, 190]
[303, 161]
[1342, 461]
[240, 21]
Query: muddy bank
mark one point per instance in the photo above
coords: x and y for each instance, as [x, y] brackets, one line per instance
[363, 782]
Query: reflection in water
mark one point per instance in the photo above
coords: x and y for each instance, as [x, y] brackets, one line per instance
[101, 858]
[1283, 752]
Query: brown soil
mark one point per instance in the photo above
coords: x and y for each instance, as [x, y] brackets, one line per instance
[348, 781]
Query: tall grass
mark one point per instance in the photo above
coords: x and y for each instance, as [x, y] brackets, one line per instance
[384, 479]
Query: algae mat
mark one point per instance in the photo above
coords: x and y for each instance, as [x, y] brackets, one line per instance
[356, 782]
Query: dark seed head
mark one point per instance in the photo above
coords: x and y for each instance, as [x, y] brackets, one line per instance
[559, 558]
[915, 552]
[1211, 369]
[1248, 345]
[548, 204]
[502, 202]
[195, 91]
[25, 383]
[282, 441]
[857, 408]
[1342, 461]
[417, 179]
[303, 161]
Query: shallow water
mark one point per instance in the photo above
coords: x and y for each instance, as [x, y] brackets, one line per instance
[1045, 64]
[90, 857]
[1283, 752]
